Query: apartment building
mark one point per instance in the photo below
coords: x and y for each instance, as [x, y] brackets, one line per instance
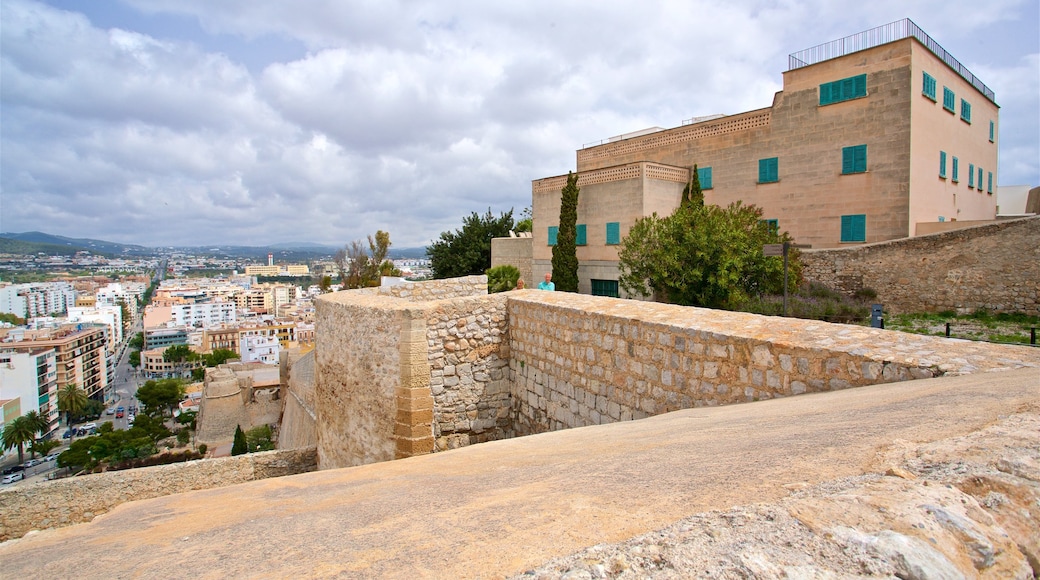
[30, 377]
[204, 314]
[80, 354]
[37, 299]
[871, 136]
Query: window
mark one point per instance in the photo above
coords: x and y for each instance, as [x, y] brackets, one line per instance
[772, 224]
[843, 90]
[704, 175]
[553, 232]
[955, 168]
[971, 175]
[928, 87]
[579, 235]
[768, 170]
[613, 233]
[854, 228]
[989, 182]
[992, 130]
[854, 159]
[942, 164]
[605, 288]
[949, 100]
[979, 186]
[965, 111]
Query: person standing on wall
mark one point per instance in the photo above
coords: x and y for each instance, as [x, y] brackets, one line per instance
[548, 284]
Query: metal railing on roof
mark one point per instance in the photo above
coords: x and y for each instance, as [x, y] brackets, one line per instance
[893, 31]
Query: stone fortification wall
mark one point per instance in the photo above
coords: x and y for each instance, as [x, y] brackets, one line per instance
[299, 426]
[469, 379]
[995, 267]
[584, 360]
[435, 289]
[64, 502]
[232, 397]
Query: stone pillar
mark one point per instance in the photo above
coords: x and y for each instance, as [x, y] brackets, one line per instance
[413, 429]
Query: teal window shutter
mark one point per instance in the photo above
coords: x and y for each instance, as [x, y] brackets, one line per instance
[928, 86]
[854, 159]
[843, 90]
[704, 175]
[825, 94]
[613, 233]
[992, 129]
[768, 170]
[979, 186]
[859, 84]
[579, 235]
[772, 224]
[854, 228]
[965, 111]
[989, 182]
[971, 175]
[942, 164]
[954, 169]
[949, 100]
[553, 232]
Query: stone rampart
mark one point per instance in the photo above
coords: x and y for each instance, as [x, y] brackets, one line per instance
[299, 415]
[69, 501]
[435, 289]
[584, 360]
[995, 267]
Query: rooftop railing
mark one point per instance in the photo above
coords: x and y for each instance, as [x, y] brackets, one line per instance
[893, 31]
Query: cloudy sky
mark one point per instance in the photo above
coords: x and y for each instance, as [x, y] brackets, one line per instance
[191, 122]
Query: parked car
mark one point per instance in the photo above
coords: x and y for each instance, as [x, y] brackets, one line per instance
[120, 412]
[110, 411]
[51, 457]
[14, 469]
[13, 477]
[32, 463]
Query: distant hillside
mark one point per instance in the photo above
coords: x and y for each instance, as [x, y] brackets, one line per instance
[80, 244]
[23, 248]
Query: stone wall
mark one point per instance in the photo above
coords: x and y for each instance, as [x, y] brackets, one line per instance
[64, 502]
[995, 267]
[469, 380]
[299, 427]
[583, 360]
[435, 289]
[237, 394]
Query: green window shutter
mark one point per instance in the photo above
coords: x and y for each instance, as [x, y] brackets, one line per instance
[989, 182]
[613, 233]
[854, 228]
[854, 159]
[553, 232]
[992, 129]
[979, 186]
[971, 175]
[825, 94]
[859, 84]
[772, 224]
[942, 164]
[965, 111]
[579, 235]
[949, 100]
[928, 86]
[843, 90]
[704, 175]
[955, 169]
[768, 170]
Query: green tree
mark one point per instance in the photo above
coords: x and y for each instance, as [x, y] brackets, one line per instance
[259, 439]
[502, 278]
[39, 424]
[160, 396]
[134, 358]
[692, 193]
[124, 312]
[17, 433]
[467, 251]
[72, 401]
[565, 252]
[137, 341]
[326, 284]
[219, 356]
[11, 319]
[526, 221]
[703, 255]
[44, 447]
[180, 355]
[240, 446]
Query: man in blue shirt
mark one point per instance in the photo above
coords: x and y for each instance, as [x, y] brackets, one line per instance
[548, 284]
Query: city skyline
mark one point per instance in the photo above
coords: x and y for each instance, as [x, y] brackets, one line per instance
[184, 123]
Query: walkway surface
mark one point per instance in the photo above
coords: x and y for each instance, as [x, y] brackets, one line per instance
[501, 508]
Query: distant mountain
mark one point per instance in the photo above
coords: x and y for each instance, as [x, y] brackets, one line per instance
[78, 244]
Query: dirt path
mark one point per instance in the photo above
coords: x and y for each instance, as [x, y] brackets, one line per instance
[500, 508]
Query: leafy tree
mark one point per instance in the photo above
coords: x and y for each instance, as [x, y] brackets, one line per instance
[39, 424]
[179, 354]
[11, 319]
[259, 439]
[44, 447]
[526, 221]
[565, 252]
[137, 341]
[351, 263]
[183, 436]
[160, 396]
[467, 251]
[692, 193]
[240, 446]
[219, 356]
[502, 278]
[124, 311]
[134, 358]
[17, 433]
[72, 400]
[326, 284]
[703, 255]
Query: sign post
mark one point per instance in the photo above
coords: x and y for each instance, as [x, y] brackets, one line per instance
[781, 250]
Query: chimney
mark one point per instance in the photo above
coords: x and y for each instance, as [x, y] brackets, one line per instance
[270, 259]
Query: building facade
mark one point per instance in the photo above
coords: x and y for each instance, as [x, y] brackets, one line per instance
[80, 354]
[31, 377]
[862, 145]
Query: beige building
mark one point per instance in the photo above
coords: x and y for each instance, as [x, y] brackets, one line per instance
[79, 354]
[862, 145]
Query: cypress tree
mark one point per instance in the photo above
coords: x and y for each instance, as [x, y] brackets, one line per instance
[239, 447]
[565, 252]
[692, 193]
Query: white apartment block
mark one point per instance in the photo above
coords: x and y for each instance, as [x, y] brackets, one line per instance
[32, 378]
[37, 299]
[260, 348]
[110, 316]
[204, 314]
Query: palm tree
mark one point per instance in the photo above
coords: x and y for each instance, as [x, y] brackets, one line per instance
[17, 433]
[72, 400]
[39, 425]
